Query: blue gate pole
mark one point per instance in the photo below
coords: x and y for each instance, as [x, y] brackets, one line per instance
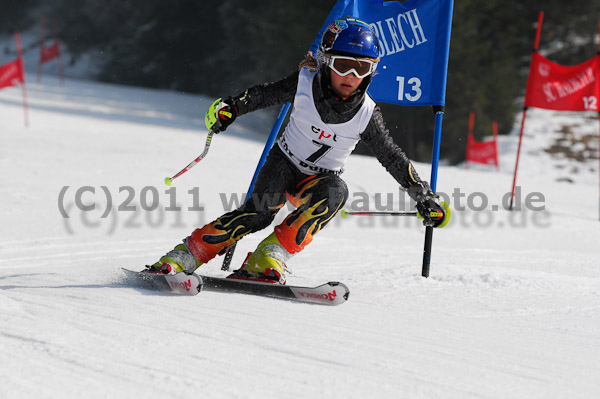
[261, 162]
[269, 145]
[435, 161]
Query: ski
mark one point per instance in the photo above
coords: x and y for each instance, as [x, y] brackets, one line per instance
[331, 293]
[180, 283]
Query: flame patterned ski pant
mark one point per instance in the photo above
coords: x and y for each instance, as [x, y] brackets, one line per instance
[317, 199]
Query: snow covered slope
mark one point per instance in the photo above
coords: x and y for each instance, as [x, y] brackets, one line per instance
[511, 310]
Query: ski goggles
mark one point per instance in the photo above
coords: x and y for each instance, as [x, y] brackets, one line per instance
[343, 65]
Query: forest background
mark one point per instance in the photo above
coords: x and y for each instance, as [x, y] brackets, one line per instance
[221, 47]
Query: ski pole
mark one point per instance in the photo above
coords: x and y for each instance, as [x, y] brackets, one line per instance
[169, 180]
[344, 213]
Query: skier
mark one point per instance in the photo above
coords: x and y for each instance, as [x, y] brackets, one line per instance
[332, 112]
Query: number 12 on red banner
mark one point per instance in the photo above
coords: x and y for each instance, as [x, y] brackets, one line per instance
[590, 103]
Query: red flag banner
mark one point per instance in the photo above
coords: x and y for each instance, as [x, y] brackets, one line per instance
[563, 88]
[48, 53]
[11, 74]
[485, 152]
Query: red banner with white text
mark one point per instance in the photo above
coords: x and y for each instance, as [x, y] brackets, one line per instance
[563, 88]
[11, 74]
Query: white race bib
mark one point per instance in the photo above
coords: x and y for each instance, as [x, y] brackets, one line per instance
[313, 145]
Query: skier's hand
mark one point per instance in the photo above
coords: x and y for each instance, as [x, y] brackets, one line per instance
[429, 207]
[220, 115]
[433, 212]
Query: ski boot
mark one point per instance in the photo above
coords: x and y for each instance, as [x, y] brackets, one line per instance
[177, 260]
[266, 264]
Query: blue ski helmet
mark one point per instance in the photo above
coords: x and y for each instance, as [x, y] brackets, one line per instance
[350, 36]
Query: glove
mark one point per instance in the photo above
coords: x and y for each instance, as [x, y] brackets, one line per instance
[433, 212]
[220, 115]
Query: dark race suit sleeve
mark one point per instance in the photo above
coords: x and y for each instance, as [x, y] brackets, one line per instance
[377, 137]
[266, 95]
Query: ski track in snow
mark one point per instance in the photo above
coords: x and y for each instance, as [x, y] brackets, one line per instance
[511, 309]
